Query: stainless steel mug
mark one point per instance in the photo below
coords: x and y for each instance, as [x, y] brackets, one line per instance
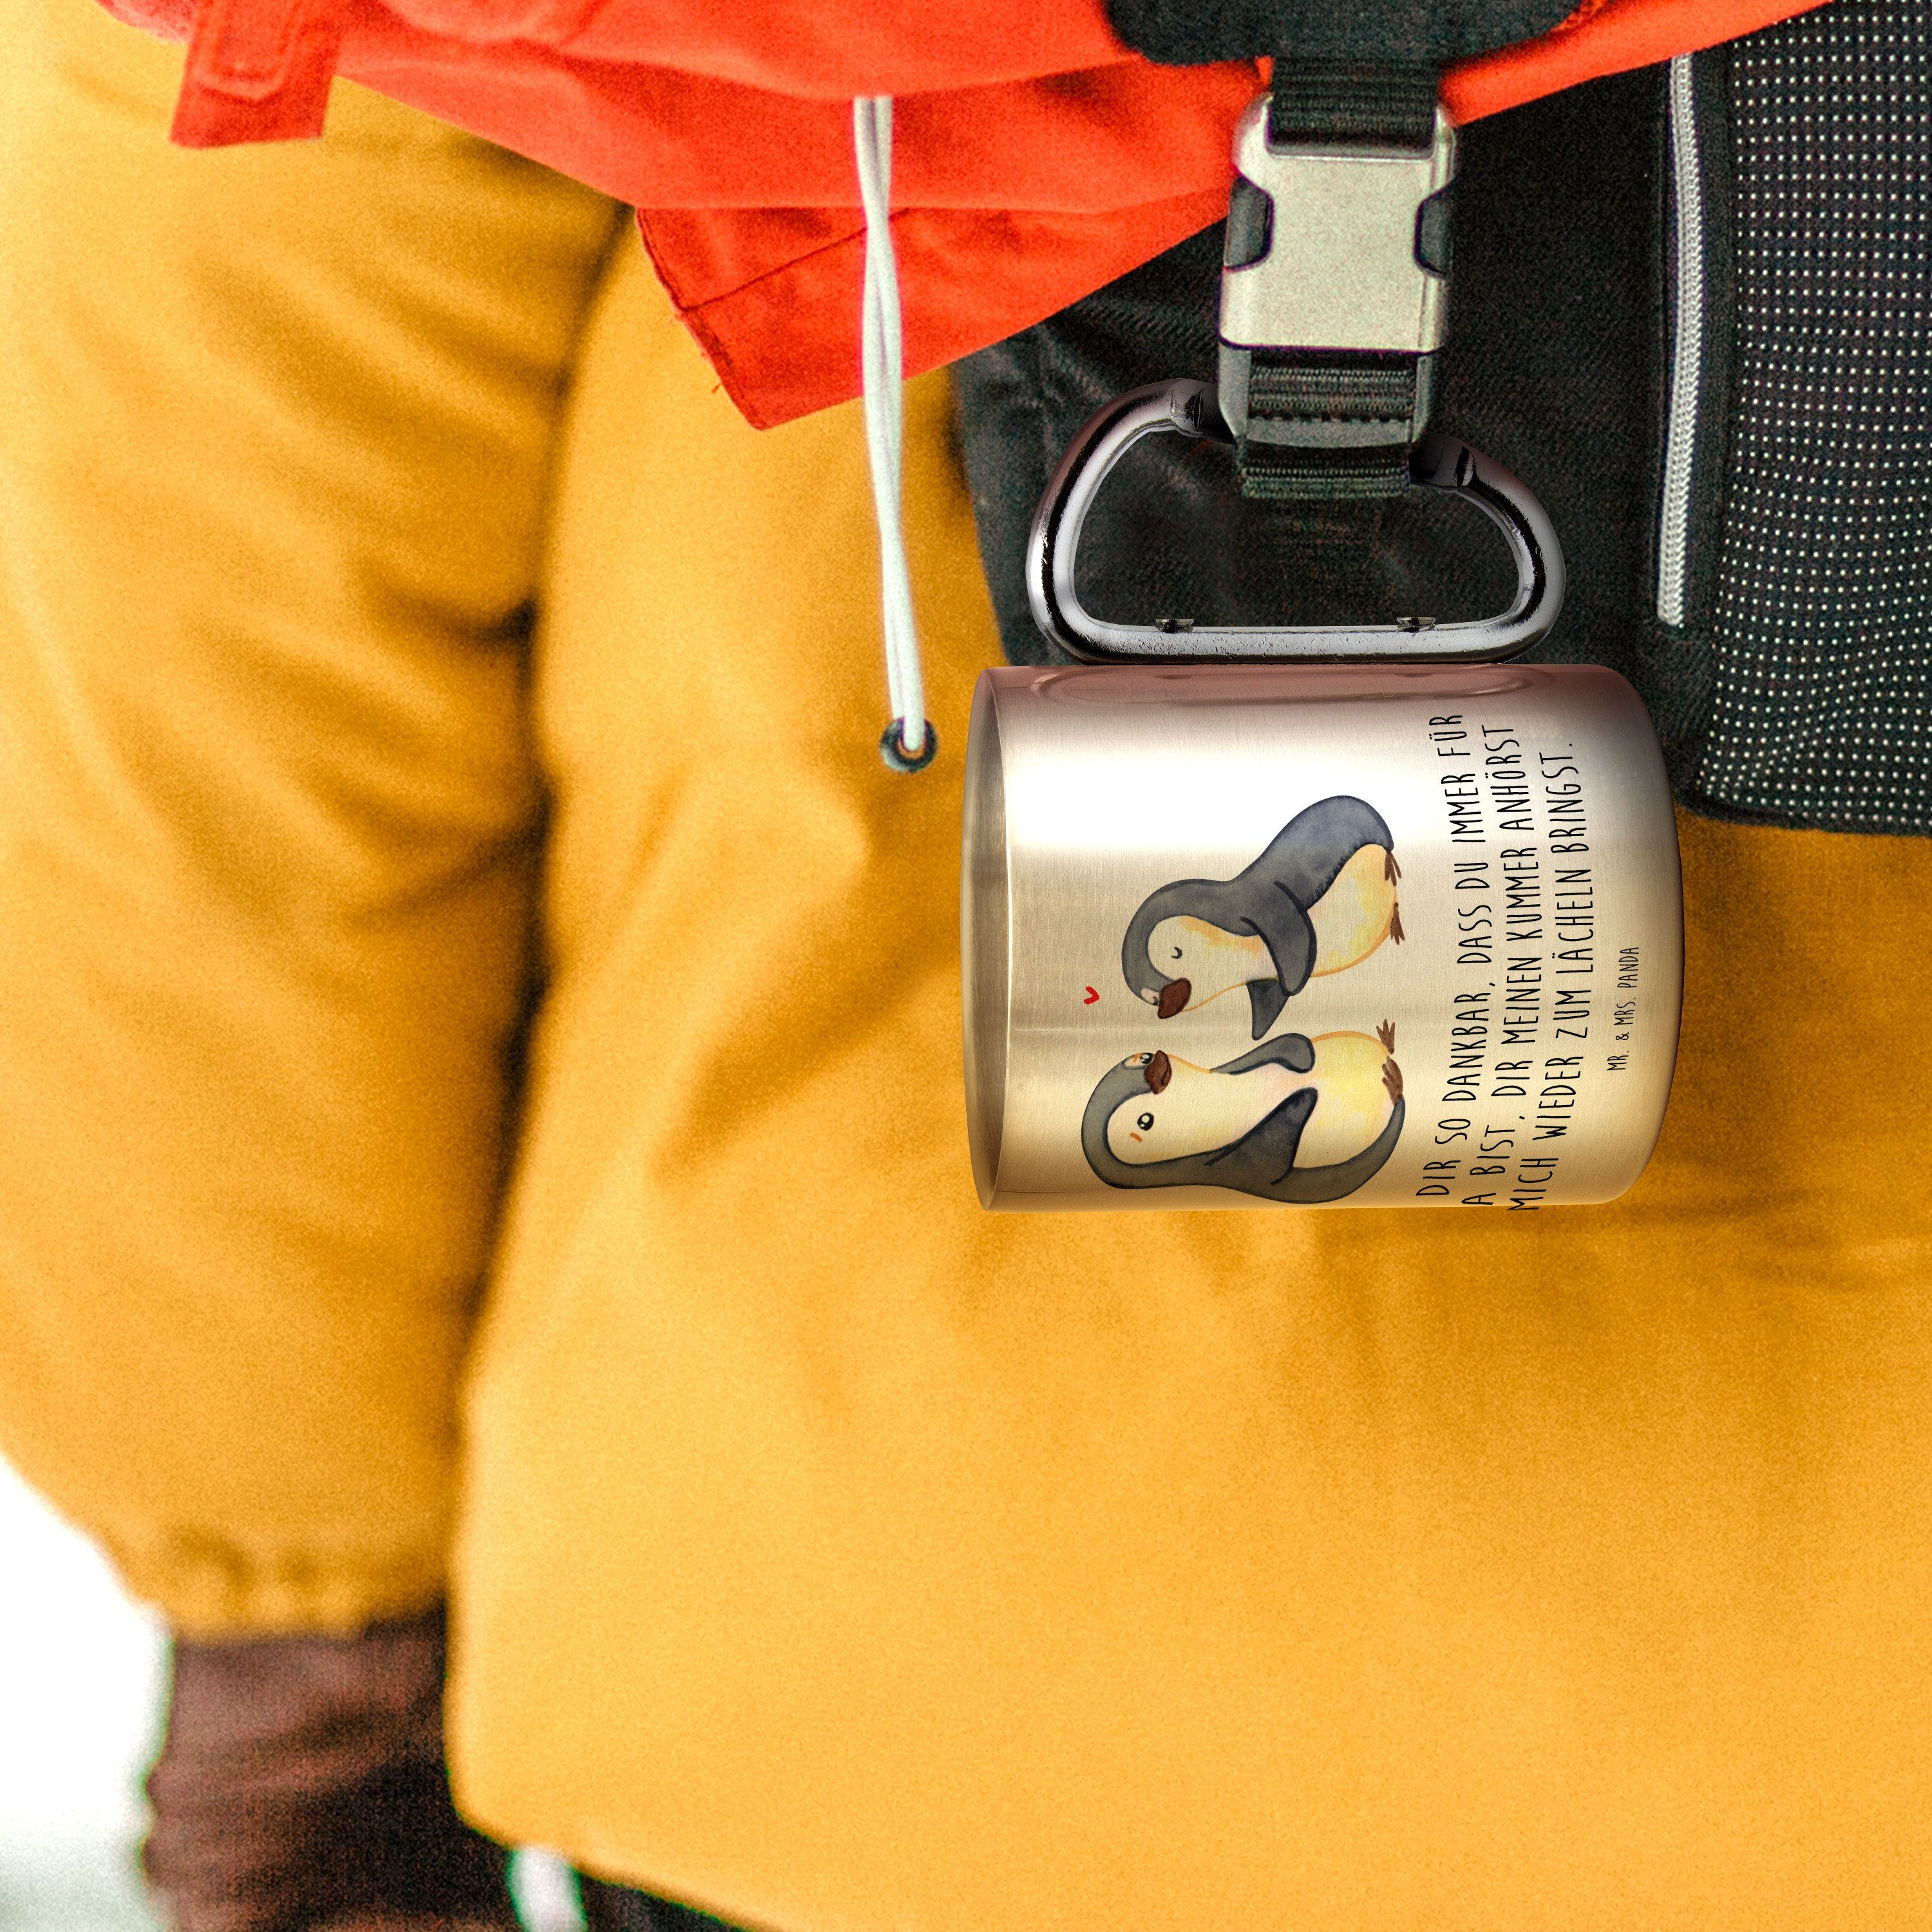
[1365, 935]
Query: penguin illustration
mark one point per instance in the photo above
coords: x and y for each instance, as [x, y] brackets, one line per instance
[1295, 1119]
[1320, 898]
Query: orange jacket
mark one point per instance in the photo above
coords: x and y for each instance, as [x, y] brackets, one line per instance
[1035, 157]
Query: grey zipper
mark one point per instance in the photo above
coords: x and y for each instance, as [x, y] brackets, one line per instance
[1687, 351]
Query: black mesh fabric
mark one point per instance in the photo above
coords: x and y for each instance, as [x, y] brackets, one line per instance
[1822, 632]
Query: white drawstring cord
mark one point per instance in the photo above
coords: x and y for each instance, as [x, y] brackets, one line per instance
[909, 743]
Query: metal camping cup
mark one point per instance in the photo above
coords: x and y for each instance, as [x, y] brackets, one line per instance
[1371, 934]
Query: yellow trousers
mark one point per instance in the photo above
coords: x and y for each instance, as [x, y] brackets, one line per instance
[444, 864]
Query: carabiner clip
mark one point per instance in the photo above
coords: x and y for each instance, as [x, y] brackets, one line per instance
[1190, 408]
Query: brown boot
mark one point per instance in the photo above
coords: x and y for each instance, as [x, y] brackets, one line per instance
[302, 1785]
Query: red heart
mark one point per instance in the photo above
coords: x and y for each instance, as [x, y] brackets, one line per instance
[1091, 997]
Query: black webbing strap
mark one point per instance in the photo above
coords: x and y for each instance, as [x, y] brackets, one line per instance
[1351, 103]
[1380, 400]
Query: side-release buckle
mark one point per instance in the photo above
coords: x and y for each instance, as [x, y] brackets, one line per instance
[1332, 293]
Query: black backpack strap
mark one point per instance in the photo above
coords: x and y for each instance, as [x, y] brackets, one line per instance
[1332, 284]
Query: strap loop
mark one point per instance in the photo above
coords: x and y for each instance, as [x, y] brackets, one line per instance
[1188, 408]
[1333, 281]
[884, 375]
